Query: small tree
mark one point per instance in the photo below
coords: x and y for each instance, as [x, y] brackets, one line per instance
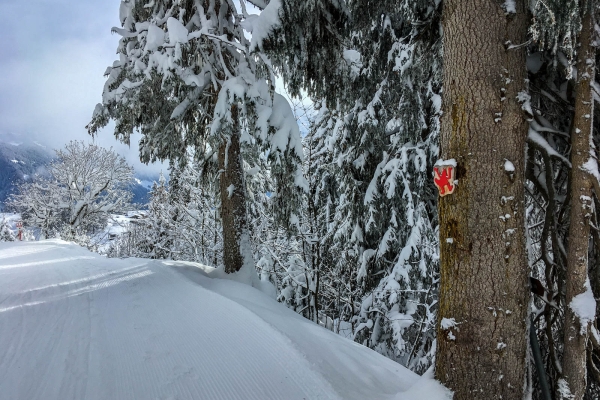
[86, 183]
[6, 235]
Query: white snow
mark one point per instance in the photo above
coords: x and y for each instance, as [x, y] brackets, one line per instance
[75, 325]
[564, 390]
[230, 190]
[445, 163]
[177, 32]
[584, 307]
[525, 99]
[155, 38]
[263, 24]
[534, 136]
[591, 167]
[448, 323]
[509, 166]
[352, 58]
[510, 7]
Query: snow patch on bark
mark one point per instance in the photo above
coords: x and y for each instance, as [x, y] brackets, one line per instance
[563, 390]
[448, 323]
[584, 307]
[510, 7]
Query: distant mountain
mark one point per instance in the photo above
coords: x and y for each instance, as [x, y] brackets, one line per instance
[21, 160]
[141, 191]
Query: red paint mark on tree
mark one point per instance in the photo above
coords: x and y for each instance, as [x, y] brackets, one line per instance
[444, 179]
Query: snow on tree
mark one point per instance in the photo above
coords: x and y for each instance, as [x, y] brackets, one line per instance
[41, 205]
[86, 183]
[188, 77]
[158, 237]
[373, 69]
[6, 234]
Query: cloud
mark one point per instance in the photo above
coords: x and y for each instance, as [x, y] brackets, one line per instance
[52, 59]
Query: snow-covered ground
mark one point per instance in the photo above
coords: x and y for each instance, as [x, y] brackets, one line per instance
[75, 325]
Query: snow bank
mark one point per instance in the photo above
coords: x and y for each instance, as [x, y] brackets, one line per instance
[75, 325]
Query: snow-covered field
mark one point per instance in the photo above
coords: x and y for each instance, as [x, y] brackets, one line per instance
[75, 325]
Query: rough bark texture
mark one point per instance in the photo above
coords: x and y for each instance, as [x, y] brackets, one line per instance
[484, 266]
[233, 208]
[576, 336]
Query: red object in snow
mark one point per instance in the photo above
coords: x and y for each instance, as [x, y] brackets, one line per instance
[443, 178]
[20, 227]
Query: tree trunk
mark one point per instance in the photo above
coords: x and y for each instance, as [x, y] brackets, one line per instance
[576, 335]
[233, 200]
[484, 265]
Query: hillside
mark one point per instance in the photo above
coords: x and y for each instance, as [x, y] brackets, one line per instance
[19, 162]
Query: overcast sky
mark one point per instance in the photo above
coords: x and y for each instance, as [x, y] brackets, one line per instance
[53, 54]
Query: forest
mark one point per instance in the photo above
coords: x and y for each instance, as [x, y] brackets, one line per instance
[419, 176]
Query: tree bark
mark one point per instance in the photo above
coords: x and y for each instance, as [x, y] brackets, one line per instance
[484, 267]
[576, 335]
[233, 199]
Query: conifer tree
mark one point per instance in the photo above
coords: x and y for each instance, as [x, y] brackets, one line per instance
[374, 142]
[187, 78]
[6, 235]
[158, 237]
[483, 290]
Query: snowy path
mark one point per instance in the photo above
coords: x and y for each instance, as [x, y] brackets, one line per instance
[74, 325]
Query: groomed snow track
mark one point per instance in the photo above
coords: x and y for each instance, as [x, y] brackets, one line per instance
[75, 325]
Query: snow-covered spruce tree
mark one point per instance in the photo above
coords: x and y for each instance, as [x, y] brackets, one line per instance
[196, 227]
[186, 77]
[306, 42]
[325, 282]
[6, 234]
[86, 183]
[379, 127]
[158, 227]
[386, 154]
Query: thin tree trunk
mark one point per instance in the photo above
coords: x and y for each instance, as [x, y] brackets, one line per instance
[483, 259]
[233, 200]
[576, 335]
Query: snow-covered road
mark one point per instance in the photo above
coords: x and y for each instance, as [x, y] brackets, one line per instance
[74, 325]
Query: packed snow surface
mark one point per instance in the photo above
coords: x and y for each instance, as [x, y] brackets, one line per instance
[75, 325]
